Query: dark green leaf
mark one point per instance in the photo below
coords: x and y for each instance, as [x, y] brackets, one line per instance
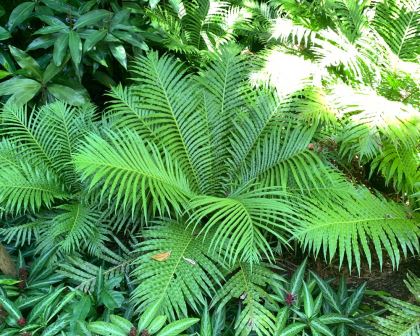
[26, 62]
[91, 18]
[328, 293]
[20, 13]
[21, 89]
[118, 52]
[42, 42]
[75, 46]
[4, 34]
[355, 299]
[293, 329]
[67, 94]
[60, 48]
[93, 39]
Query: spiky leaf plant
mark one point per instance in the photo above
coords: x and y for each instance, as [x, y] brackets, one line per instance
[230, 173]
[40, 192]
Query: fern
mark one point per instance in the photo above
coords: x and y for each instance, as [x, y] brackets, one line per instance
[359, 219]
[399, 24]
[403, 318]
[248, 285]
[175, 267]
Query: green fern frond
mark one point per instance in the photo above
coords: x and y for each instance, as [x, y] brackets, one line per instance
[125, 167]
[29, 188]
[168, 92]
[371, 119]
[399, 165]
[84, 273]
[22, 234]
[403, 318]
[70, 125]
[124, 111]
[248, 284]
[74, 228]
[236, 226]
[351, 224]
[175, 266]
[398, 22]
[30, 131]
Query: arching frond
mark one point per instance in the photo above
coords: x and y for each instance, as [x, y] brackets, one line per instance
[403, 318]
[27, 188]
[350, 224]
[372, 119]
[236, 226]
[166, 91]
[399, 165]
[70, 125]
[84, 273]
[174, 265]
[21, 234]
[31, 131]
[74, 228]
[249, 286]
[124, 111]
[398, 22]
[125, 167]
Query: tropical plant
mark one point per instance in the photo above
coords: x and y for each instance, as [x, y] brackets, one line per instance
[313, 307]
[222, 162]
[70, 38]
[402, 317]
[40, 191]
[149, 324]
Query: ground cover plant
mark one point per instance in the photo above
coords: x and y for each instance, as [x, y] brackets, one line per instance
[224, 141]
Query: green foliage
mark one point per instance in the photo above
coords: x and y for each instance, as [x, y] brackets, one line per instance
[65, 42]
[402, 317]
[285, 125]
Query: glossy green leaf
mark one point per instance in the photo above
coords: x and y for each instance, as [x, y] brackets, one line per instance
[321, 328]
[10, 307]
[67, 94]
[42, 42]
[21, 89]
[26, 62]
[328, 293]
[93, 39]
[157, 323]
[4, 74]
[75, 46]
[4, 34]
[355, 299]
[60, 48]
[91, 18]
[148, 315]
[334, 319]
[121, 322]
[20, 13]
[293, 329]
[119, 53]
[177, 327]
[297, 279]
[308, 301]
[106, 329]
